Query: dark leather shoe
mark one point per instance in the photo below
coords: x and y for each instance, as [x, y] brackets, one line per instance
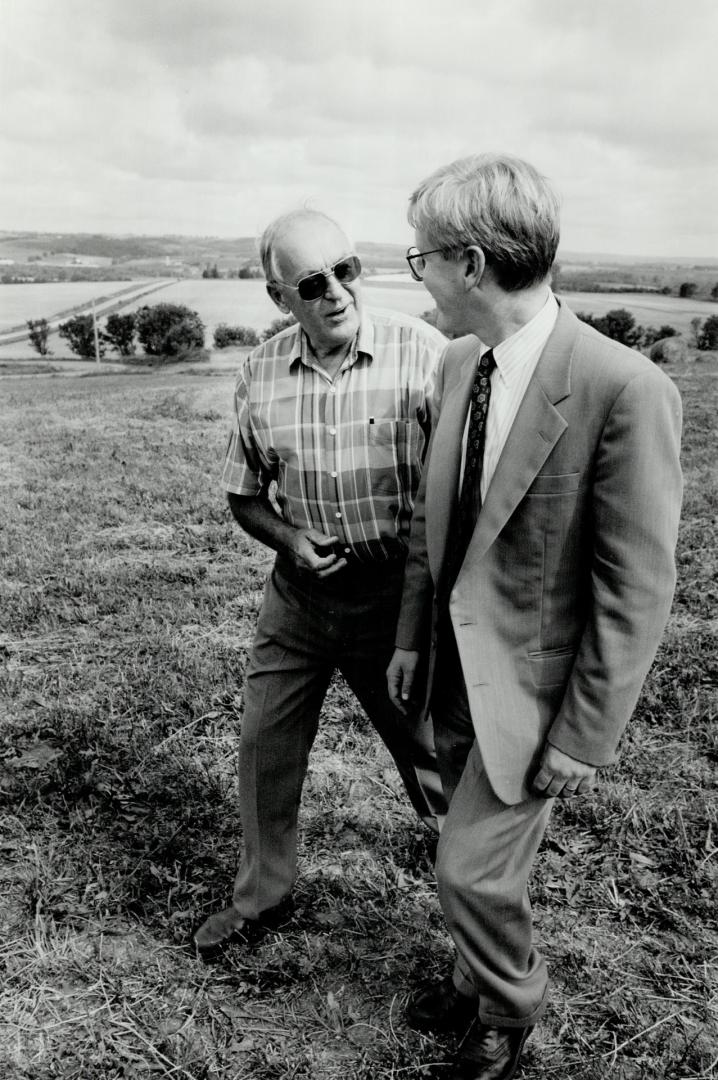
[490, 1053]
[441, 1007]
[228, 927]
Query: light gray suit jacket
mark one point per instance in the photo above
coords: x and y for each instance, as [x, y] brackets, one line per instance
[567, 583]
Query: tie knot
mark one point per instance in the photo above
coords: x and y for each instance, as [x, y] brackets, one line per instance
[487, 363]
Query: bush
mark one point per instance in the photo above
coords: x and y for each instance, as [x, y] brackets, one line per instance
[79, 333]
[619, 325]
[224, 336]
[120, 333]
[651, 335]
[169, 330]
[277, 326]
[38, 332]
[708, 337]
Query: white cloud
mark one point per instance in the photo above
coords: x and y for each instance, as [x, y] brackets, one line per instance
[166, 114]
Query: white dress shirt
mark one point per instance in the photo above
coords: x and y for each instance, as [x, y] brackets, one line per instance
[516, 359]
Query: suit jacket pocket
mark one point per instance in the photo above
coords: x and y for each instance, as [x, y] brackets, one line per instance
[559, 484]
[551, 667]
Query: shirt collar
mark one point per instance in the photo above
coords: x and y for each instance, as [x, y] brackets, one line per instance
[526, 343]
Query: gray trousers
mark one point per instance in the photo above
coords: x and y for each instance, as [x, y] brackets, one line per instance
[484, 858]
[306, 630]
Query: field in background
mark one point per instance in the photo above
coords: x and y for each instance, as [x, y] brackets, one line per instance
[129, 600]
[18, 303]
[246, 303]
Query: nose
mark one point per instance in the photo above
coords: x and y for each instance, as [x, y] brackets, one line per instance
[334, 289]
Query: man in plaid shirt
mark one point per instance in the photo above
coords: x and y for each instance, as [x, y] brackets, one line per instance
[334, 411]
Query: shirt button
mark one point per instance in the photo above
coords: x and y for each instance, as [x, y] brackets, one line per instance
[332, 431]
[332, 389]
[338, 514]
[334, 475]
[347, 551]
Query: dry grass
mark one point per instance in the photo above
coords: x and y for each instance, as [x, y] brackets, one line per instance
[128, 604]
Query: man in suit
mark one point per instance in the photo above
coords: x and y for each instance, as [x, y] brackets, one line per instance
[539, 580]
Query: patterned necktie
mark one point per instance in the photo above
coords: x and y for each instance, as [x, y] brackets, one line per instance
[470, 497]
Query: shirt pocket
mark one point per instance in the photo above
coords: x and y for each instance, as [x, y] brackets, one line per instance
[393, 453]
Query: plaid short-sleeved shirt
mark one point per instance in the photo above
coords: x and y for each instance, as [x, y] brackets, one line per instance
[346, 454]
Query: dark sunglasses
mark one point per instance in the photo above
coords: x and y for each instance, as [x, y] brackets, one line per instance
[313, 286]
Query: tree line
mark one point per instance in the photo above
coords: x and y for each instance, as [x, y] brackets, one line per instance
[175, 332]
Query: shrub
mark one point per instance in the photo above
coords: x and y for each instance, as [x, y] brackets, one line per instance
[169, 330]
[79, 333]
[120, 333]
[708, 338]
[651, 335]
[38, 332]
[277, 326]
[224, 336]
[618, 324]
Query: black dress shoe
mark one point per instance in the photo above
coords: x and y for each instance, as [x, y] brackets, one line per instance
[228, 927]
[441, 1007]
[490, 1053]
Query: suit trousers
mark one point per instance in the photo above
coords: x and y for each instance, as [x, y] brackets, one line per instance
[484, 858]
[307, 629]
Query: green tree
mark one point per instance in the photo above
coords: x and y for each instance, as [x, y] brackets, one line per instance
[708, 338]
[617, 324]
[224, 336]
[79, 334]
[119, 333]
[651, 334]
[169, 330]
[696, 324]
[276, 326]
[38, 333]
[688, 288]
[714, 292]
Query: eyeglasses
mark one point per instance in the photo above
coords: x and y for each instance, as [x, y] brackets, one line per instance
[314, 286]
[417, 261]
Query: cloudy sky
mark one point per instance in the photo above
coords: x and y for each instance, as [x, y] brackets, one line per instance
[211, 116]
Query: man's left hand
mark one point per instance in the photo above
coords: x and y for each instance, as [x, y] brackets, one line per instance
[562, 776]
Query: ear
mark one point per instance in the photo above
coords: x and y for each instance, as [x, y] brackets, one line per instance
[275, 295]
[474, 267]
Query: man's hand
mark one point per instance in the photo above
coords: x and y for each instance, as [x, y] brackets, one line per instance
[400, 676]
[312, 550]
[562, 775]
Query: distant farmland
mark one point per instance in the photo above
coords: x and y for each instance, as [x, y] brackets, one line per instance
[246, 303]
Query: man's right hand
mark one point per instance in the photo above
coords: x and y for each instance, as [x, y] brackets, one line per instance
[400, 677]
[312, 550]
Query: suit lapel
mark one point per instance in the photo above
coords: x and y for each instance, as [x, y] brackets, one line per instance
[535, 431]
[444, 464]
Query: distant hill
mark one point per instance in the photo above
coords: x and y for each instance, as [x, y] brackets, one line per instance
[44, 256]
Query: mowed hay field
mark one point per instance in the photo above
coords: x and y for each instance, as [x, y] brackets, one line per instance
[128, 605]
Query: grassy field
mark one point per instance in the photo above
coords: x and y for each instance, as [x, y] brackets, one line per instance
[128, 604]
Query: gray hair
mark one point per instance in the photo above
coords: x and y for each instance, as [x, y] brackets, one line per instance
[498, 202]
[277, 228]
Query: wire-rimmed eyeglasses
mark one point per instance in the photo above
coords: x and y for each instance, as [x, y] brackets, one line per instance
[417, 261]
